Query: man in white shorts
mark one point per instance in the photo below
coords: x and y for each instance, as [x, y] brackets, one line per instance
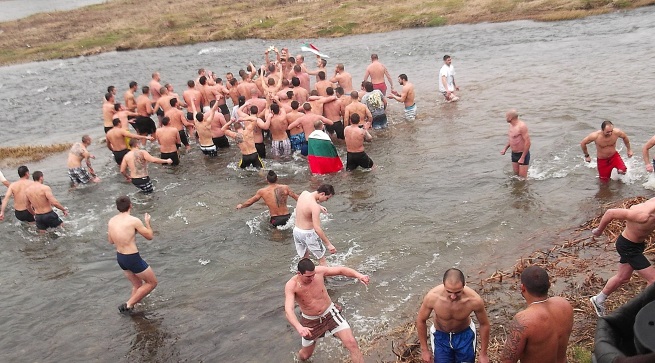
[307, 234]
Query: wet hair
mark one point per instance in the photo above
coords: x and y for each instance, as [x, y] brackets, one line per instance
[242, 100]
[162, 90]
[354, 94]
[295, 81]
[191, 83]
[200, 117]
[22, 171]
[242, 72]
[37, 175]
[340, 66]
[605, 124]
[326, 189]
[535, 279]
[218, 80]
[446, 57]
[297, 68]
[324, 62]
[321, 75]
[318, 125]
[275, 108]
[271, 176]
[329, 91]
[123, 203]
[374, 56]
[133, 84]
[254, 110]
[313, 93]
[134, 143]
[271, 81]
[295, 104]
[368, 86]
[305, 265]
[201, 71]
[289, 94]
[354, 118]
[403, 77]
[145, 90]
[117, 106]
[116, 122]
[292, 60]
[234, 81]
[108, 95]
[339, 90]
[111, 89]
[202, 80]
[285, 82]
[454, 275]
[173, 101]
[165, 121]
[307, 106]
[189, 116]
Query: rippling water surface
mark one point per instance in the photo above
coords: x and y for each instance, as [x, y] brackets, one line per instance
[441, 195]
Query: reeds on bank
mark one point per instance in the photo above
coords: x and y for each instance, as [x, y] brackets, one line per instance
[14, 155]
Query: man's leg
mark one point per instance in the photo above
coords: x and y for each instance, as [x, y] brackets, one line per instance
[523, 170]
[149, 283]
[305, 352]
[648, 274]
[622, 276]
[348, 339]
[515, 167]
[136, 281]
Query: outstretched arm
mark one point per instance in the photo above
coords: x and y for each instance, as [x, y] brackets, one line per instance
[250, 201]
[619, 213]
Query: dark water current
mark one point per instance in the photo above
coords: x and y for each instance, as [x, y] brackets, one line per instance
[441, 196]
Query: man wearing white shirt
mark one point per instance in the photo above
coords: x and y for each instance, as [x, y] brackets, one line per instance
[447, 85]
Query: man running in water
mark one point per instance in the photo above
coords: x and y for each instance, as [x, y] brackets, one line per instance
[41, 200]
[137, 161]
[607, 158]
[275, 196]
[77, 153]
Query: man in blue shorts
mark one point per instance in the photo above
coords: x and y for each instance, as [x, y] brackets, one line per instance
[122, 230]
[453, 335]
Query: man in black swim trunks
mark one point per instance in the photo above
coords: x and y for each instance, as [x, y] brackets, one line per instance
[17, 190]
[640, 223]
[355, 135]
[122, 230]
[275, 196]
[42, 200]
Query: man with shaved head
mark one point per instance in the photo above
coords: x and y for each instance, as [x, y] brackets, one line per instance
[453, 335]
[519, 142]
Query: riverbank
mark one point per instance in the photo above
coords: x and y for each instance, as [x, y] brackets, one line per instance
[129, 24]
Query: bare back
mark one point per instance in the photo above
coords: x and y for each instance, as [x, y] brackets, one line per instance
[168, 137]
[306, 208]
[638, 229]
[275, 196]
[122, 230]
[18, 190]
[39, 196]
[376, 70]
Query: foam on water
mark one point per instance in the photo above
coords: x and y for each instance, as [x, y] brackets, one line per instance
[178, 214]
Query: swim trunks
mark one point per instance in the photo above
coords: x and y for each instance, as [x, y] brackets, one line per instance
[173, 156]
[280, 220]
[632, 253]
[221, 142]
[308, 239]
[144, 125]
[79, 175]
[410, 112]
[329, 322]
[261, 149]
[224, 109]
[119, 155]
[281, 147]
[353, 160]
[47, 220]
[605, 166]
[297, 140]
[144, 184]
[209, 150]
[24, 215]
[454, 347]
[336, 127]
[517, 156]
[251, 159]
[184, 137]
[381, 86]
[380, 122]
[132, 262]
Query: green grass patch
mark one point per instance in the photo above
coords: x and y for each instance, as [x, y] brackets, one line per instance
[337, 30]
[265, 23]
[437, 21]
[581, 354]
[622, 4]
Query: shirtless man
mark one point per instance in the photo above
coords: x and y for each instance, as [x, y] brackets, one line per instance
[108, 111]
[333, 110]
[275, 196]
[630, 244]
[177, 120]
[406, 97]
[319, 314]
[193, 97]
[307, 233]
[300, 94]
[163, 104]
[296, 134]
[245, 140]
[317, 101]
[278, 124]
[121, 232]
[322, 84]
[203, 125]
[303, 78]
[123, 115]
[17, 190]
[144, 125]
[117, 137]
[307, 124]
[607, 156]
[540, 333]
[155, 86]
[356, 107]
[645, 152]
[447, 85]
[41, 200]
[355, 137]
[519, 142]
[453, 336]
[77, 153]
[128, 97]
[343, 78]
[169, 141]
[137, 161]
[377, 71]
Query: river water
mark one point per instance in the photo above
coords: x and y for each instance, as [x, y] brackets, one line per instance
[441, 194]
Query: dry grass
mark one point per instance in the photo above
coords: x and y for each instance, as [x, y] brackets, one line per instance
[572, 263]
[15, 155]
[137, 24]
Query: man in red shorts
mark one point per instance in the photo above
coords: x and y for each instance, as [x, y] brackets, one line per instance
[607, 156]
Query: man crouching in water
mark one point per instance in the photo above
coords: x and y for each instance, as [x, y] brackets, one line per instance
[137, 161]
[121, 231]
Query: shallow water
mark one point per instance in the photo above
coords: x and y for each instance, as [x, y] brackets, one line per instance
[441, 194]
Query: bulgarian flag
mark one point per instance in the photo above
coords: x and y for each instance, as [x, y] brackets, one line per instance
[309, 47]
[322, 155]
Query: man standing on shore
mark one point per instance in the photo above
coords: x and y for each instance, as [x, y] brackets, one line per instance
[121, 232]
[275, 196]
[41, 200]
[640, 223]
[137, 161]
[453, 335]
[519, 142]
[377, 71]
[607, 158]
[447, 85]
[406, 97]
[22, 208]
[540, 333]
[308, 234]
[319, 314]
[77, 153]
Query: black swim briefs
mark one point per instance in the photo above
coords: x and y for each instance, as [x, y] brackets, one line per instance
[632, 253]
[47, 220]
[24, 215]
[353, 160]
